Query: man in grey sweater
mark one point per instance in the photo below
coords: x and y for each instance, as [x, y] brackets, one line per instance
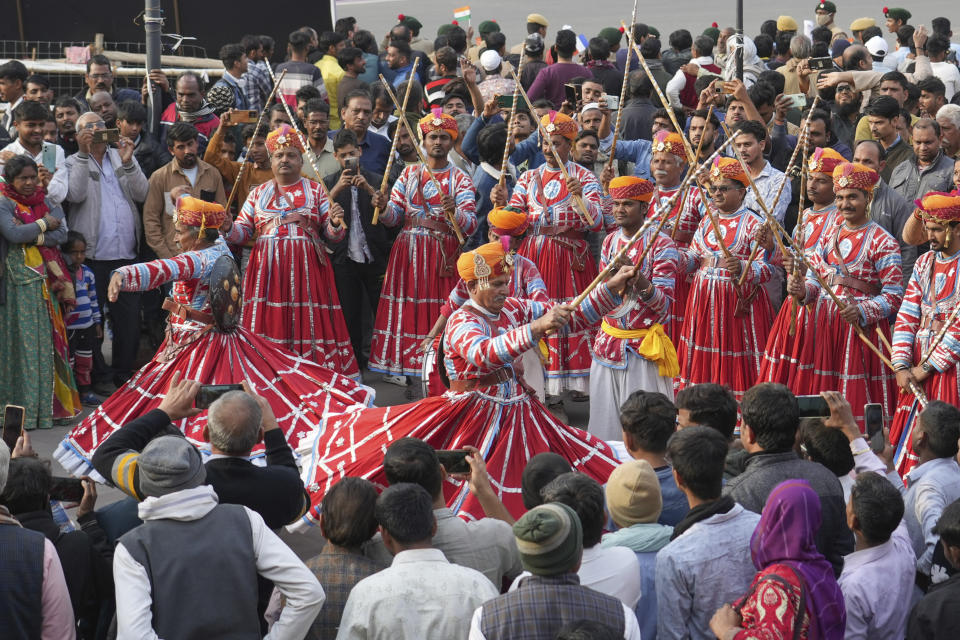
[770, 418]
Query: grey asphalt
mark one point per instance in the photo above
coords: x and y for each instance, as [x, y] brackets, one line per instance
[588, 18]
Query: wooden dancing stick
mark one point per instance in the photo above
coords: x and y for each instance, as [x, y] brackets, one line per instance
[804, 174]
[545, 135]
[623, 89]
[308, 152]
[883, 339]
[676, 226]
[664, 210]
[513, 113]
[663, 99]
[243, 164]
[940, 334]
[396, 137]
[451, 218]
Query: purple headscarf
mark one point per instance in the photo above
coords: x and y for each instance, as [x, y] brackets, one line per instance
[785, 535]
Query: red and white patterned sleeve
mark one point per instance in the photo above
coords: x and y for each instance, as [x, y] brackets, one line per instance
[150, 275]
[885, 256]
[332, 233]
[396, 209]
[908, 317]
[465, 335]
[465, 195]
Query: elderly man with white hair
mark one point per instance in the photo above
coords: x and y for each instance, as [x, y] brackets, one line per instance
[948, 117]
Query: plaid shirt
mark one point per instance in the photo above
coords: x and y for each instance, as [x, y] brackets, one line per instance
[542, 605]
[257, 84]
[337, 570]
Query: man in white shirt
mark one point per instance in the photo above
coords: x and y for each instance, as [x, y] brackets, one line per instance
[28, 121]
[421, 595]
[937, 48]
[614, 571]
[486, 545]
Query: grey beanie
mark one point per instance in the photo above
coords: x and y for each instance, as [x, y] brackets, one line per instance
[168, 464]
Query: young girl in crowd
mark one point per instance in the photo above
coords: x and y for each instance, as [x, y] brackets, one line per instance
[84, 326]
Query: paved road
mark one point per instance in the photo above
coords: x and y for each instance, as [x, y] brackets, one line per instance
[588, 18]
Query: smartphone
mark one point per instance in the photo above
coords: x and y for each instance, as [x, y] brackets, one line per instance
[66, 489]
[613, 102]
[454, 460]
[49, 156]
[107, 136]
[351, 165]
[572, 93]
[244, 116]
[873, 419]
[813, 407]
[209, 393]
[820, 64]
[797, 100]
[505, 102]
[13, 416]
[726, 89]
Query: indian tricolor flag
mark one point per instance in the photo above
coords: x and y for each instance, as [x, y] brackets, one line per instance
[462, 13]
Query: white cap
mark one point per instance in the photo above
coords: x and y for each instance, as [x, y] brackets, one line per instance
[490, 60]
[589, 106]
[877, 46]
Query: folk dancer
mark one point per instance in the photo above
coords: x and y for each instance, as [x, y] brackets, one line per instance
[932, 294]
[788, 356]
[488, 404]
[289, 289]
[556, 243]
[421, 270]
[632, 350]
[299, 391]
[726, 325]
[507, 227]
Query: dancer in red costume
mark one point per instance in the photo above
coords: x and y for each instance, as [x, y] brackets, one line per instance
[667, 167]
[788, 356]
[932, 294]
[726, 325]
[487, 406]
[556, 244]
[508, 227]
[860, 261]
[631, 350]
[300, 392]
[421, 270]
[289, 290]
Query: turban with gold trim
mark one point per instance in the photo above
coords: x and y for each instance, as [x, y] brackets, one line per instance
[485, 262]
[560, 124]
[728, 168]
[283, 136]
[853, 175]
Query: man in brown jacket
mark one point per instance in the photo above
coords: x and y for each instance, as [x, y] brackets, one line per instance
[186, 169]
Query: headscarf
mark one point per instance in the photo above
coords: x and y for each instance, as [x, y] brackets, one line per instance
[193, 116]
[786, 534]
[752, 64]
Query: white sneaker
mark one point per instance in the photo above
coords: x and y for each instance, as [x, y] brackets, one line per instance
[400, 381]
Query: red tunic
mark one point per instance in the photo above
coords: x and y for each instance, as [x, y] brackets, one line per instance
[785, 355]
[556, 244]
[831, 356]
[660, 267]
[422, 266]
[932, 294]
[290, 296]
[717, 344]
[684, 218]
[300, 392]
[502, 420]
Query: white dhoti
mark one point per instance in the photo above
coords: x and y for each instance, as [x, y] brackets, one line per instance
[609, 389]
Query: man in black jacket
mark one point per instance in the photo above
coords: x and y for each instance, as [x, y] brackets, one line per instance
[235, 423]
[360, 259]
[768, 432]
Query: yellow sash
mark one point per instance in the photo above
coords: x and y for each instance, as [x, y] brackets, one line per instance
[655, 346]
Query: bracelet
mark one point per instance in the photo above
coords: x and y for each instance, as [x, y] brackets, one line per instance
[42, 224]
[647, 293]
[40, 239]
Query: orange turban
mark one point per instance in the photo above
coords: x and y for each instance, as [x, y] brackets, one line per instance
[632, 188]
[824, 160]
[670, 142]
[853, 175]
[283, 136]
[560, 123]
[439, 122]
[486, 261]
[728, 168]
[194, 212]
[938, 206]
[508, 222]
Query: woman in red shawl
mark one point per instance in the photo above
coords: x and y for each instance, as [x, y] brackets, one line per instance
[794, 594]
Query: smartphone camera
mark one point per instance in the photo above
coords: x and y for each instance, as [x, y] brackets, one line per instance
[209, 393]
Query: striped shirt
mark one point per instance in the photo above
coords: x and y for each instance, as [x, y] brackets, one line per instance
[87, 311]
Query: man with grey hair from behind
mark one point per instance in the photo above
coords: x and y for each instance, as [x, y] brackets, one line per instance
[948, 117]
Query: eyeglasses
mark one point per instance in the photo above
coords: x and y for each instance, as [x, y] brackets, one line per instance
[844, 88]
[722, 188]
[95, 125]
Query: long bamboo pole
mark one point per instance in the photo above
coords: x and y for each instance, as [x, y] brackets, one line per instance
[396, 136]
[513, 112]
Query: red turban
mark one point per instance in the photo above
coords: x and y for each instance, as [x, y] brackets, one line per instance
[853, 175]
[439, 122]
[283, 136]
[632, 188]
[560, 123]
